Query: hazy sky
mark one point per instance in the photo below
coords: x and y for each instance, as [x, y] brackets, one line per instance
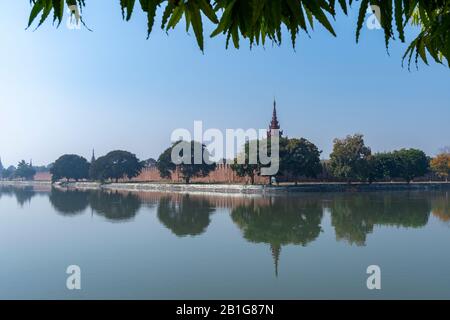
[68, 91]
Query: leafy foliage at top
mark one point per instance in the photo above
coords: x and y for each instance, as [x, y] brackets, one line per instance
[262, 20]
[441, 165]
[349, 159]
[70, 166]
[115, 165]
[24, 171]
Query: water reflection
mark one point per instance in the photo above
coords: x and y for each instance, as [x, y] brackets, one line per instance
[441, 207]
[69, 202]
[354, 216]
[115, 206]
[185, 215]
[279, 222]
[22, 194]
[273, 221]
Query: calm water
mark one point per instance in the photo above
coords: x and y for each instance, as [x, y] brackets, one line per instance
[173, 246]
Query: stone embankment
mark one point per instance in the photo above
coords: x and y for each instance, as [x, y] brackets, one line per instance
[239, 188]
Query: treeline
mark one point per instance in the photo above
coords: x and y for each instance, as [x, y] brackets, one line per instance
[115, 165]
[350, 161]
[24, 171]
[299, 159]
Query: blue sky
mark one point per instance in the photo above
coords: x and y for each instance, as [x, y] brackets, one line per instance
[68, 91]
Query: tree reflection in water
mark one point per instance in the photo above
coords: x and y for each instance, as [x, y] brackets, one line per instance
[441, 207]
[69, 202]
[22, 194]
[6, 191]
[282, 221]
[354, 216]
[115, 206]
[185, 215]
[275, 221]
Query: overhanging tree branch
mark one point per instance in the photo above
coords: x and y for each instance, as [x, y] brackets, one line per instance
[262, 20]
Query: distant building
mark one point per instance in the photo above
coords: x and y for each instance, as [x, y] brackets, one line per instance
[93, 156]
[222, 174]
[274, 124]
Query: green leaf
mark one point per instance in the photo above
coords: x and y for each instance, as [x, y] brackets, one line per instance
[176, 17]
[309, 16]
[37, 8]
[399, 19]
[150, 8]
[47, 9]
[196, 20]
[58, 11]
[318, 13]
[362, 14]
[130, 9]
[343, 5]
[167, 13]
[225, 20]
[208, 11]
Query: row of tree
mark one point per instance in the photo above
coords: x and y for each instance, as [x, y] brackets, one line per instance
[113, 166]
[351, 160]
[24, 171]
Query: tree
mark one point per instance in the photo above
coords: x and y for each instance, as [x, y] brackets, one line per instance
[441, 165]
[259, 21]
[70, 166]
[181, 156]
[382, 166]
[9, 173]
[25, 171]
[242, 165]
[97, 169]
[115, 165]
[411, 163]
[165, 165]
[1, 169]
[349, 159]
[301, 158]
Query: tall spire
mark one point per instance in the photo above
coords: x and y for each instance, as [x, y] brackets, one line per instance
[276, 250]
[93, 156]
[274, 124]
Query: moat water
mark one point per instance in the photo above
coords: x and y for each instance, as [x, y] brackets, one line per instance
[174, 246]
